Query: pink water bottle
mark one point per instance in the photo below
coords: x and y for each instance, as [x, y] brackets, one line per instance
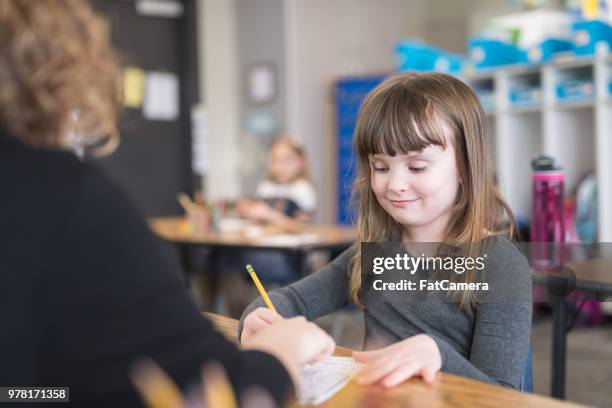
[547, 212]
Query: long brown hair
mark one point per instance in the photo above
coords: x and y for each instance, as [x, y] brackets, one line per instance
[404, 114]
[58, 73]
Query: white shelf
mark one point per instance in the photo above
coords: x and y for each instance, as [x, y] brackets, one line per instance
[573, 104]
[574, 62]
[523, 69]
[515, 109]
[578, 134]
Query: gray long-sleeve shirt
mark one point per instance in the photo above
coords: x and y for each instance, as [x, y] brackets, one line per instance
[490, 345]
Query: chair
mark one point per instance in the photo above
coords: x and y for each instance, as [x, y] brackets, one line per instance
[527, 378]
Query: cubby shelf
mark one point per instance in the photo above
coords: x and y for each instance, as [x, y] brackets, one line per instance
[576, 131]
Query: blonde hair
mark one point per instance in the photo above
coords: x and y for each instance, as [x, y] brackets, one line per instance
[404, 114]
[298, 149]
[58, 73]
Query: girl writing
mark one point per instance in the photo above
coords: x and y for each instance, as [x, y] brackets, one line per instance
[424, 175]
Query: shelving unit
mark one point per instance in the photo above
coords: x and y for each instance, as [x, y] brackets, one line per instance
[603, 135]
[560, 109]
[526, 117]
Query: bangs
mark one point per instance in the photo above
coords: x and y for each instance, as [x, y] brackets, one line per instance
[397, 121]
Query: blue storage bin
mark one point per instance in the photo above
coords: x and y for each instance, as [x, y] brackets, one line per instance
[548, 49]
[586, 35]
[610, 89]
[526, 95]
[421, 57]
[575, 90]
[489, 53]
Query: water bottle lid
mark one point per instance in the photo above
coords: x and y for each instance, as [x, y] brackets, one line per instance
[544, 163]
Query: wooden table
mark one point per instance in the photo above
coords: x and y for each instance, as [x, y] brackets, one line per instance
[594, 276]
[175, 229]
[328, 237]
[447, 390]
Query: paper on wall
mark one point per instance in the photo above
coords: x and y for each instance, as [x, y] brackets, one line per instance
[161, 96]
[133, 87]
[199, 139]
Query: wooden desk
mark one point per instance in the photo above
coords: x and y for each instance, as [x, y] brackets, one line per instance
[173, 229]
[594, 276]
[447, 391]
[327, 237]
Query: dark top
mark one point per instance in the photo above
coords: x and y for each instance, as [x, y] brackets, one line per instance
[284, 205]
[86, 289]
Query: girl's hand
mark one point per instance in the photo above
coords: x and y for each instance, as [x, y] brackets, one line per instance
[258, 319]
[389, 366]
[255, 210]
[265, 213]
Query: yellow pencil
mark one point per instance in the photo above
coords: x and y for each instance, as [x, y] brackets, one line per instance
[260, 287]
[186, 202]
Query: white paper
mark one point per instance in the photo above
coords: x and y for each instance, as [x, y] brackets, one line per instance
[289, 240]
[262, 84]
[161, 96]
[320, 381]
[199, 141]
[159, 8]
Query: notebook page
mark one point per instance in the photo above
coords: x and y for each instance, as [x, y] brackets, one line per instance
[322, 380]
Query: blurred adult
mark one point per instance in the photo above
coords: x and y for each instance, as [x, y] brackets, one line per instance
[86, 290]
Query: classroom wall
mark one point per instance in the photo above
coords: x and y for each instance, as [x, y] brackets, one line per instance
[326, 40]
[260, 39]
[151, 163]
[481, 10]
[219, 94]
[311, 43]
[448, 24]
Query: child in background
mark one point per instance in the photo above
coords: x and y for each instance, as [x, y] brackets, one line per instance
[283, 202]
[287, 195]
[424, 175]
[285, 199]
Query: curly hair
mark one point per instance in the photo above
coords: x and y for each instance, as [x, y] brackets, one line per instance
[58, 73]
